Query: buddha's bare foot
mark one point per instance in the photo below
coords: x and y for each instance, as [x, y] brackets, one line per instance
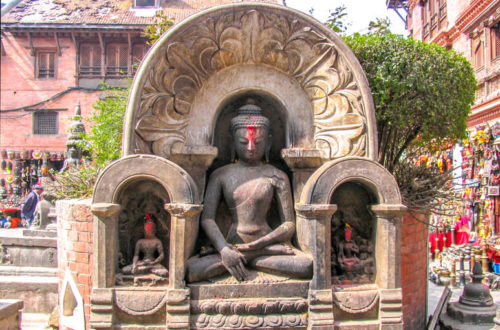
[278, 249]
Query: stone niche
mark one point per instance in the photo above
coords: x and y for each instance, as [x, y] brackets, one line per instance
[347, 208]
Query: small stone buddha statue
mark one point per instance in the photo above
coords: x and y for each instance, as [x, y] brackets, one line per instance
[248, 188]
[149, 246]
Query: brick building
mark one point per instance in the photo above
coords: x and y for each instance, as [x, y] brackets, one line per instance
[471, 27]
[57, 53]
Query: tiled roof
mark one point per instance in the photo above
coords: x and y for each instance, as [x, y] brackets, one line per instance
[107, 12]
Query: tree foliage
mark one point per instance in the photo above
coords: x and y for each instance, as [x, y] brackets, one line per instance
[419, 90]
[381, 26]
[154, 31]
[104, 140]
[337, 19]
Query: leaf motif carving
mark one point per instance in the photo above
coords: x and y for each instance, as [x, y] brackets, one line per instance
[254, 36]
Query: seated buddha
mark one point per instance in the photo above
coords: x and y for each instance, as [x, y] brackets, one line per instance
[151, 250]
[249, 186]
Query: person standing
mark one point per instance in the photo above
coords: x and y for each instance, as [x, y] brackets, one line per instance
[28, 210]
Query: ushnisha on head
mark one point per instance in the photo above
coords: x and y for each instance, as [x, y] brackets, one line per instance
[250, 131]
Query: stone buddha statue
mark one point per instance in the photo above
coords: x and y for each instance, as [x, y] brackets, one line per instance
[248, 188]
[152, 250]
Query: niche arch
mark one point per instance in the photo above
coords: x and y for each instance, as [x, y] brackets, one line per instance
[387, 209]
[225, 49]
[122, 189]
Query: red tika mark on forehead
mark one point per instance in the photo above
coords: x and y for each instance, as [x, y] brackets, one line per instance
[251, 133]
[148, 228]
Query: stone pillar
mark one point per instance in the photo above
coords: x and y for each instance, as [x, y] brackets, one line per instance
[302, 162]
[388, 260]
[314, 236]
[105, 224]
[184, 229]
[196, 161]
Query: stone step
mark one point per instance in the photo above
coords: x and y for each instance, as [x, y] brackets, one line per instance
[32, 321]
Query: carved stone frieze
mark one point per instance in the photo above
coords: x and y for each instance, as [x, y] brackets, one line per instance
[249, 306]
[356, 302]
[251, 37]
[293, 321]
[140, 303]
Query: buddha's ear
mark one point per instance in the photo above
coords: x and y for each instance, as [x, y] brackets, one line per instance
[268, 147]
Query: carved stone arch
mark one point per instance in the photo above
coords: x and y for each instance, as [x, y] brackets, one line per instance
[333, 97]
[176, 181]
[322, 183]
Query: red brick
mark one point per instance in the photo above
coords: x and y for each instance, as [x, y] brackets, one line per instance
[81, 257]
[84, 278]
[80, 247]
[84, 237]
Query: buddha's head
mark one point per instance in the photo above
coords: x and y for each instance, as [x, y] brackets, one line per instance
[250, 132]
[149, 227]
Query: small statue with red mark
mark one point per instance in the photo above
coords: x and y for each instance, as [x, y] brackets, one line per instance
[151, 249]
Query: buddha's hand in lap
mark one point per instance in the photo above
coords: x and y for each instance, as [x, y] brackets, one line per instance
[274, 249]
[234, 262]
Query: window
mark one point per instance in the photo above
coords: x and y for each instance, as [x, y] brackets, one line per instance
[90, 60]
[144, 3]
[45, 65]
[116, 59]
[477, 52]
[495, 41]
[138, 52]
[45, 122]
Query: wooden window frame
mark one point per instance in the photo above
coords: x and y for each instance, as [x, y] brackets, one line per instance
[495, 42]
[90, 70]
[117, 70]
[46, 76]
[475, 44]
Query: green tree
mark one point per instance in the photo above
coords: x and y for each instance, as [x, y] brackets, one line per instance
[337, 19]
[419, 90]
[381, 26]
[154, 31]
[103, 141]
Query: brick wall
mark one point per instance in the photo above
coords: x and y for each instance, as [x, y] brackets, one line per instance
[414, 271]
[19, 88]
[75, 246]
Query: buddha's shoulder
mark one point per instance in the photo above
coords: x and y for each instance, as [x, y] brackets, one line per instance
[223, 171]
[271, 170]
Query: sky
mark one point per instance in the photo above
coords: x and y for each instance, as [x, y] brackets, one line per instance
[359, 12]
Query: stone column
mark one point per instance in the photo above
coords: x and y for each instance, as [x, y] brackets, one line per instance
[195, 160]
[105, 258]
[314, 236]
[302, 162]
[184, 230]
[387, 252]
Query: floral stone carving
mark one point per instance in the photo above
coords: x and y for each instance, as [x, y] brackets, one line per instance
[251, 36]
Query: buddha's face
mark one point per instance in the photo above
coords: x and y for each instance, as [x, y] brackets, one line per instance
[250, 143]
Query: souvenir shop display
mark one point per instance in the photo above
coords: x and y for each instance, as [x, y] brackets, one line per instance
[468, 230]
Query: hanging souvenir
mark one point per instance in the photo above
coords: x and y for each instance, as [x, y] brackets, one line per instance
[37, 155]
[10, 179]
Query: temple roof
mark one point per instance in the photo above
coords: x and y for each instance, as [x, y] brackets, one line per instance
[108, 12]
